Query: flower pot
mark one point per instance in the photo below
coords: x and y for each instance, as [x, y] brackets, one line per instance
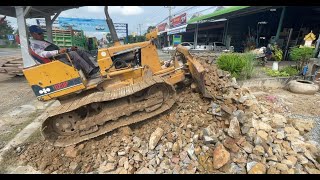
[275, 65]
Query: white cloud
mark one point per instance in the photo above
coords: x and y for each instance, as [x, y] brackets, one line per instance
[126, 10]
[96, 9]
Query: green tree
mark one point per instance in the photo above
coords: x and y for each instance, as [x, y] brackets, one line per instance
[150, 28]
[5, 28]
[136, 39]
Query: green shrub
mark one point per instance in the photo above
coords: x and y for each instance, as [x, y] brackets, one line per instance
[301, 55]
[290, 70]
[240, 65]
[275, 73]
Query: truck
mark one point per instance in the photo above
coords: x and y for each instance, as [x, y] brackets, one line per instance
[68, 38]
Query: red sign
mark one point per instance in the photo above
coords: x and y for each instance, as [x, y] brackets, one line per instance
[60, 85]
[162, 27]
[179, 20]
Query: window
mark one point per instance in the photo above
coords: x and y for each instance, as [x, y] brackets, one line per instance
[219, 44]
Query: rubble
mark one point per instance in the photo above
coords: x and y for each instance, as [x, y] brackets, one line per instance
[231, 133]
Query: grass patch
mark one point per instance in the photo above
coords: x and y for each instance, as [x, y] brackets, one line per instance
[283, 72]
[240, 65]
[10, 157]
[17, 128]
[289, 70]
[34, 137]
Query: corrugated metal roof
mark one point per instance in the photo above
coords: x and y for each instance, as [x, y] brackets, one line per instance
[229, 12]
[36, 11]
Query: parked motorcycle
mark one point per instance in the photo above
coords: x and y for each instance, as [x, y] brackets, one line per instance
[264, 55]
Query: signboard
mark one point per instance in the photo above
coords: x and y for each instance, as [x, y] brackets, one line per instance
[176, 40]
[42, 22]
[162, 27]
[89, 25]
[179, 20]
[10, 37]
[176, 31]
[121, 27]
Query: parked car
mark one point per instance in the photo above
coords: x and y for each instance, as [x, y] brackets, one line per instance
[188, 45]
[219, 47]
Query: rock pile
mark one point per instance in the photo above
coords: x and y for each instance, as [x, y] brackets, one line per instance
[208, 57]
[232, 133]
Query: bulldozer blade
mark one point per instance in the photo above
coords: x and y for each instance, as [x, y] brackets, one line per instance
[196, 69]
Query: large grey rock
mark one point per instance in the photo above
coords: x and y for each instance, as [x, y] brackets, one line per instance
[234, 128]
[143, 149]
[247, 147]
[278, 121]
[263, 135]
[176, 148]
[240, 116]
[137, 157]
[190, 150]
[282, 167]
[74, 167]
[209, 140]
[145, 170]
[136, 142]
[122, 160]
[264, 126]
[25, 170]
[155, 137]
[250, 165]
[257, 168]
[107, 168]
[258, 150]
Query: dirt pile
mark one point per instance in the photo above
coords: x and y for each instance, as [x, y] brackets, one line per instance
[233, 133]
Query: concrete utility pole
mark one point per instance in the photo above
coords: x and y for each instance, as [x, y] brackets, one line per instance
[140, 28]
[170, 8]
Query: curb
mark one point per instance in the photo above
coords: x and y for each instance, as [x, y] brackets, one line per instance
[264, 82]
[24, 134]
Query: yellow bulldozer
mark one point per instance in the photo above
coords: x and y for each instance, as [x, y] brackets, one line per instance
[134, 85]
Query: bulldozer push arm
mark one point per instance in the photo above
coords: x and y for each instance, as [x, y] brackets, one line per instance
[196, 69]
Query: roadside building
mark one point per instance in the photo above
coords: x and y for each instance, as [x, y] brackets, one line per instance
[248, 27]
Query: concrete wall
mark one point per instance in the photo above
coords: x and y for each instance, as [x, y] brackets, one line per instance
[264, 83]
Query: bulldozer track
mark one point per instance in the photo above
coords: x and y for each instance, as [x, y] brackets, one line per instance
[102, 112]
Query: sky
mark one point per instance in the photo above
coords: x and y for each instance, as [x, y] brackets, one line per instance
[133, 15]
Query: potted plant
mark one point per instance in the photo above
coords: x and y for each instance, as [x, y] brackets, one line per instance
[276, 55]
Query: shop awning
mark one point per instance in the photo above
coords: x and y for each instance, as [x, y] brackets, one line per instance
[176, 30]
[230, 12]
